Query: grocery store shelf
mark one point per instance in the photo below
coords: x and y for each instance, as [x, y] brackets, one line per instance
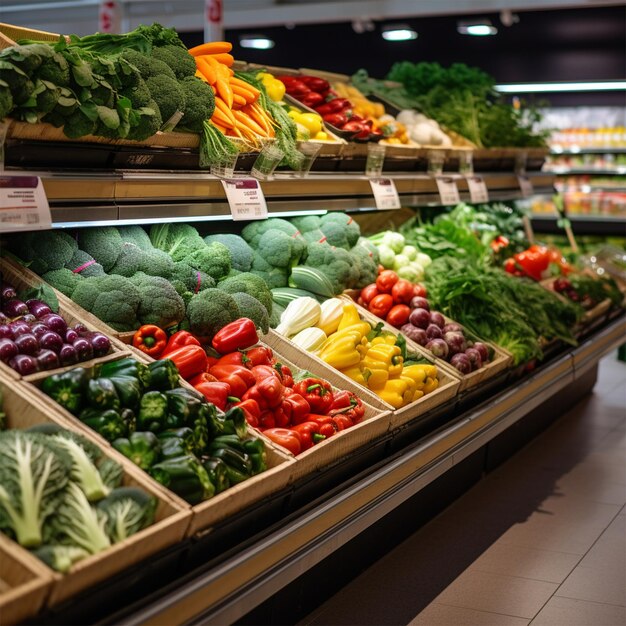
[587, 171]
[582, 224]
[599, 150]
[143, 197]
[230, 590]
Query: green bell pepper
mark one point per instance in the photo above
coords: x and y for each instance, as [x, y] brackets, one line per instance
[142, 448]
[152, 412]
[107, 422]
[101, 394]
[238, 463]
[235, 422]
[253, 447]
[176, 442]
[163, 375]
[218, 473]
[126, 367]
[130, 420]
[67, 389]
[128, 390]
[185, 476]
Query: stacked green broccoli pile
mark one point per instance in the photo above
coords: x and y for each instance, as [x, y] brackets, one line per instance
[63, 499]
[113, 86]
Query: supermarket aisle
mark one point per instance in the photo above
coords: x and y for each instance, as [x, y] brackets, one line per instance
[541, 540]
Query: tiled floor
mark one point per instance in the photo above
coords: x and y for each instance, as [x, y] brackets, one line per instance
[541, 540]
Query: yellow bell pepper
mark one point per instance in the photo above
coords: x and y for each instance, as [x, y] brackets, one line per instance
[377, 378]
[385, 338]
[350, 317]
[363, 347]
[386, 356]
[417, 373]
[341, 352]
[396, 393]
[357, 375]
[411, 386]
[362, 328]
[417, 395]
[430, 384]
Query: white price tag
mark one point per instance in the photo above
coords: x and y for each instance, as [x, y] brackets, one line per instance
[385, 194]
[245, 198]
[477, 189]
[525, 184]
[448, 191]
[23, 204]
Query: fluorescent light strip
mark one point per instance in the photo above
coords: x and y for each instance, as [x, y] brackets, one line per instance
[615, 85]
[258, 43]
[400, 34]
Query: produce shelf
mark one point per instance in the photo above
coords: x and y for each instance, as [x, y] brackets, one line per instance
[130, 197]
[582, 225]
[587, 171]
[225, 590]
[599, 150]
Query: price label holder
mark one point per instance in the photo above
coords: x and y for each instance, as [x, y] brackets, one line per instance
[245, 198]
[23, 204]
[477, 189]
[385, 194]
[448, 191]
[526, 185]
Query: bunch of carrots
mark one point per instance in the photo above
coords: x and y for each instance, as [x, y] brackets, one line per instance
[237, 110]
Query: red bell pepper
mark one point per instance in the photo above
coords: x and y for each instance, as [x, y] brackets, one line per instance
[295, 407]
[309, 434]
[348, 404]
[261, 372]
[311, 99]
[297, 89]
[342, 421]
[237, 335]
[205, 377]
[239, 378]
[267, 419]
[233, 358]
[286, 438]
[216, 393]
[259, 355]
[151, 340]
[267, 392]
[317, 392]
[319, 85]
[286, 374]
[335, 119]
[252, 411]
[326, 423]
[179, 340]
[190, 360]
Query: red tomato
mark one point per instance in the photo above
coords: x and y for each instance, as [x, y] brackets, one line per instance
[367, 293]
[381, 304]
[398, 315]
[419, 290]
[386, 280]
[402, 291]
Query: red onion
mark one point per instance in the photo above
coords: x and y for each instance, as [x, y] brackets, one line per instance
[482, 350]
[434, 332]
[452, 327]
[438, 319]
[71, 335]
[418, 302]
[474, 356]
[456, 342]
[83, 348]
[420, 318]
[462, 363]
[100, 343]
[67, 354]
[418, 335]
[438, 347]
[7, 293]
[38, 308]
[14, 308]
[6, 332]
[19, 327]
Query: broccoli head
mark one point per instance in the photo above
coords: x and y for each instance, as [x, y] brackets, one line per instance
[19, 83]
[251, 284]
[367, 266]
[103, 244]
[188, 279]
[251, 308]
[210, 310]
[64, 280]
[212, 259]
[306, 223]
[177, 59]
[272, 276]
[178, 240]
[155, 262]
[84, 265]
[44, 250]
[336, 263]
[147, 66]
[77, 124]
[370, 247]
[160, 304]
[138, 93]
[253, 231]
[199, 103]
[351, 228]
[240, 252]
[55, 69]
[136, 235]
[129, 261]
[145, 122]
[6, 100]
[166, 92]
[114, 299]
[279, 249]
[335, 235]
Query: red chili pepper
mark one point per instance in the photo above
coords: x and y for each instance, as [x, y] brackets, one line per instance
[317, 392]
[215, 393]
[286, 438]
[190, 361]
[205, 377]
[260, 355]
[285, 373]
[267, 392]
[327, 426]
[252, 411]
[386, 280]
[151, 340]
[179, 340]
[237, 335]
[309, 434]
[238, 377]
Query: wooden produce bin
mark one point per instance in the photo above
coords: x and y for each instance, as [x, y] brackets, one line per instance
[21, 277]
[24, 410]
[448, 383]
[24, 583]
[500, 360]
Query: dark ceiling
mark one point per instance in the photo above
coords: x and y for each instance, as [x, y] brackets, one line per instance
[577, 44]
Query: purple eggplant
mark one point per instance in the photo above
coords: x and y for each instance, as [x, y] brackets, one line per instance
[456, 342]
[474, 356]
[433, 332]
[51, 341]
[47, 359]
[38, 329]
[7, 293]
[438, 347]
[8, 350]
[100, 343]
[417, 302]
[420, 318]
[19, 327]
[482, 350]
[81, 329]
[83, 348]
[452, 327]
[15, 308]
[67, 354]
[462, 363]
[38, 308]
[71, 335]
[56, 323]
[24, 364]
[418, 335]
[27, 343]
[438, 319]
[6, 332]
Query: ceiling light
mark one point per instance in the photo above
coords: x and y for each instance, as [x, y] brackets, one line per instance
[479, 28]
[259, 42]
[398, 32]
[607, 85]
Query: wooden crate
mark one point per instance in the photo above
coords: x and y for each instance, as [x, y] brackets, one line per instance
[20, 277]
[24, 583]
[172, 519]
[448, 384]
